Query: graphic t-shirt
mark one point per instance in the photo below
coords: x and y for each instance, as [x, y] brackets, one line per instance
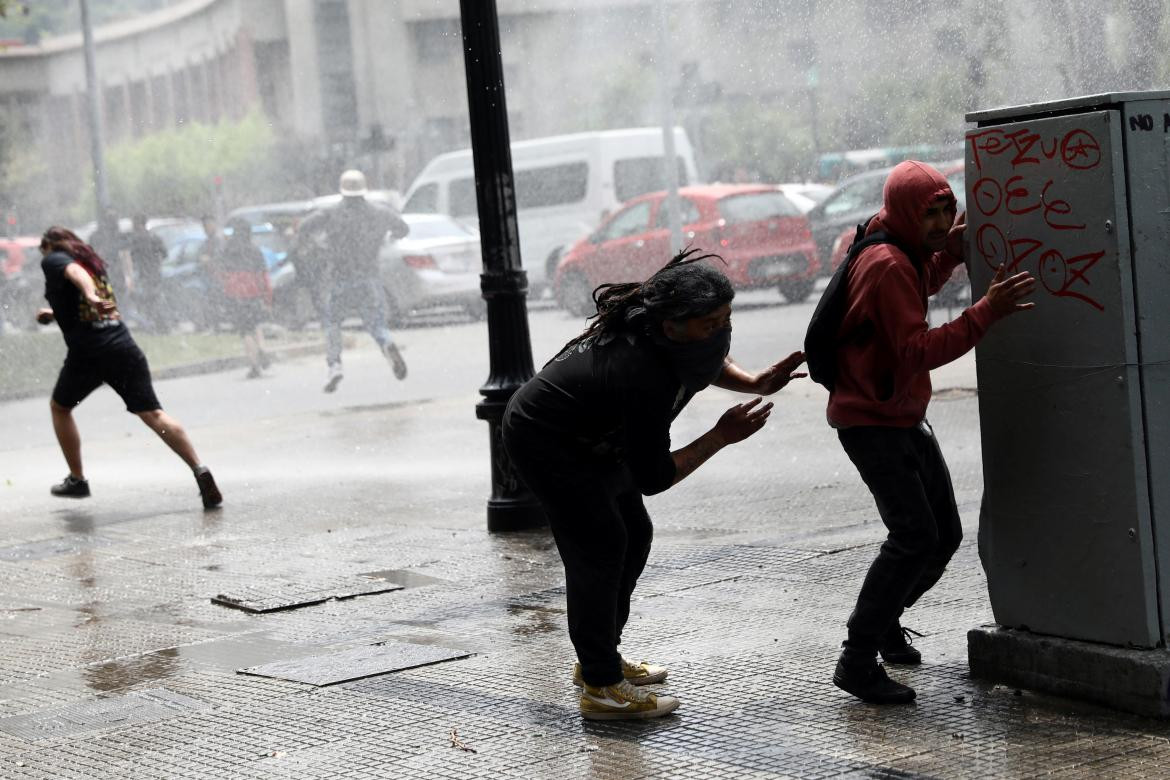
[84, 327]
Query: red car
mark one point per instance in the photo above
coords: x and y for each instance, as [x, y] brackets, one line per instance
[21, 285]
[760, 234]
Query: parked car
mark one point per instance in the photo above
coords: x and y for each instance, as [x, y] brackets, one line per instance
[192, 297]
[565, 185]
[292, 304]
[169, 229]
[760, 234]
[805, 196]
[22, 286]
[285, 216]
[437, 264]
[857, 199]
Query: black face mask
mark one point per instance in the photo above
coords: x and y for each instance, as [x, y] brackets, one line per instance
[698, 363]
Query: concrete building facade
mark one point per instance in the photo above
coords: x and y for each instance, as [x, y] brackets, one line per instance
[380, 83]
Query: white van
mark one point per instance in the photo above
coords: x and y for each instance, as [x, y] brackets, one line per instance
[565, 185]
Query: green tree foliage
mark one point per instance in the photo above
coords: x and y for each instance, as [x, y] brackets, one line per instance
[30, 21]
[770, 143]
[174, 171]
[26, 188]
[890, 110]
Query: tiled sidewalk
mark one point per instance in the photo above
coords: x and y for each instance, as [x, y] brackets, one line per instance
[115, 663]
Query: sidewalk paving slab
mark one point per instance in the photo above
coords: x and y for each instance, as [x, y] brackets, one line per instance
[755, 566]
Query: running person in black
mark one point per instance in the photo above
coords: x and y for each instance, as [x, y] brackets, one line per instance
[101, 350]
[590, 435]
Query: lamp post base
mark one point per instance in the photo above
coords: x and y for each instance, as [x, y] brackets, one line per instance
[511, 506]
[504, 514]
[1125, 679]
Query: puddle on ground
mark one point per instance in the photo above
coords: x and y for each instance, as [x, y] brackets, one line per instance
[407, 579]
[125, 672]
[536, 620]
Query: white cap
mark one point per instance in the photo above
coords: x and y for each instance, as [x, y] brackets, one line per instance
[353, 184]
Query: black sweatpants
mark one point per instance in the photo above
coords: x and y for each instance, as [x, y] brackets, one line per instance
[603, 534]
[905, 471]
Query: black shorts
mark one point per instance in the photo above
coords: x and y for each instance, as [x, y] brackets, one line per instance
[124, 369]
[246, 314]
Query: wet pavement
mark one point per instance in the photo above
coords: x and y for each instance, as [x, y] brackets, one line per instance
[116, 662]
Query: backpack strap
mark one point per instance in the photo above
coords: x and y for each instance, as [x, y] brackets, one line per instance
[861, 242]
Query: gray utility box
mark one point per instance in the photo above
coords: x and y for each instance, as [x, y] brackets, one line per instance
[1074, 396]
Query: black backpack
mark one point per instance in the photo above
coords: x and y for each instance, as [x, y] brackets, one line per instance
[821, 340]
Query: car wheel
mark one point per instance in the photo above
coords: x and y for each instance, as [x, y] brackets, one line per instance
[576, 295]
[796, 290]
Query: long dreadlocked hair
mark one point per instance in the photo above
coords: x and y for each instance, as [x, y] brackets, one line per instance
[680, 290]
[59, 239]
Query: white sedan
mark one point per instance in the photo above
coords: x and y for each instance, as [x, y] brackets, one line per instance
[437, 264]
[805, 195]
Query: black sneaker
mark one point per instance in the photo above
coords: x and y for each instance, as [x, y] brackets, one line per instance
[397, 364]
[896, 649]
[868, 682]
[208, 491]
[71, 487]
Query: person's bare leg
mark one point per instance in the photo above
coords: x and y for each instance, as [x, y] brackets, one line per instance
[251, 349]
[68, 437]
[171, 432]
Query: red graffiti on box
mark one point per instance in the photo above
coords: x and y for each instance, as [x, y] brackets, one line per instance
[1031, 187]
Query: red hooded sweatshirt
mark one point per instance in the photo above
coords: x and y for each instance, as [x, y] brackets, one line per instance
[883, 369]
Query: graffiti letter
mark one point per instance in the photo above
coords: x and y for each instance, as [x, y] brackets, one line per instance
[1059, 275]
[1024, 140]
[990, 141]
[988, 195]
[992, 246]
[1080, 150]
[1018, 192]
[1029, 246]
[1056, 207]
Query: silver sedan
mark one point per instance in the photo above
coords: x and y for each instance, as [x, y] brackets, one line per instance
[437, 264]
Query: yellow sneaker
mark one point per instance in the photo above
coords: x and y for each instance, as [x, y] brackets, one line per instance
[623, 702]
[635, 673]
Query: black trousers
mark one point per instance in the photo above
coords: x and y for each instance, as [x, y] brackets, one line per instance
[905, 471]
[603, 535]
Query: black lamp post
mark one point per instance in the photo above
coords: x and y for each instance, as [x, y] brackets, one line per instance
[504, 283]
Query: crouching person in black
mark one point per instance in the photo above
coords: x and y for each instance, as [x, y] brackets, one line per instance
[590, 435]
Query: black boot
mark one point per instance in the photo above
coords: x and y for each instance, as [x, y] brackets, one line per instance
[866, 679]
[896, 648]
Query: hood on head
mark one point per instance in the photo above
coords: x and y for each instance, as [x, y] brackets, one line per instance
[910, 188]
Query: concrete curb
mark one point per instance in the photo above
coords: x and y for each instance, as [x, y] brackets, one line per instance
[193, 369]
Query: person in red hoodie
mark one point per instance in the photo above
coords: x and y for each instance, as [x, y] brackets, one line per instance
[878, 406]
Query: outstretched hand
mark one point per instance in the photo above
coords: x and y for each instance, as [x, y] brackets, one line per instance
[1005, 295]
[777, 376]
[742, 420]
[102, 305]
